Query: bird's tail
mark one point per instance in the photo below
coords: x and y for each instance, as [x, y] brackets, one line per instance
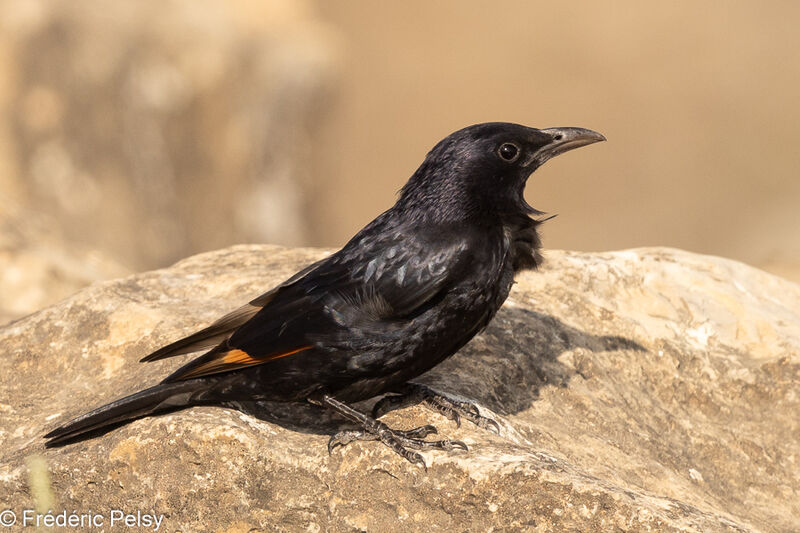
[163, 397]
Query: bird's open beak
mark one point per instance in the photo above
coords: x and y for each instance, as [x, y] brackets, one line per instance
[564, 140]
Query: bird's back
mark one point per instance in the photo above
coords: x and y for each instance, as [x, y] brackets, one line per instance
[394, 302]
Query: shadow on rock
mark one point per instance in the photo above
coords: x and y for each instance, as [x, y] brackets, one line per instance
[502, 369]
[301, 417]
[518, 354]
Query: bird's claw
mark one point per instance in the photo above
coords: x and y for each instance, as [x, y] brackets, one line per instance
[455, 410]
[346, 437]
[417, 433]
[450, 408]
[490, 424]
[400, 441]
[390, 403]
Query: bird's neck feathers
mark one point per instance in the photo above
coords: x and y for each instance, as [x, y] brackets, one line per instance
[438, 193]
[445, 192]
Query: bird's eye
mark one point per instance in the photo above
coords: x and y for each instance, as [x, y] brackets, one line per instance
[508, 152]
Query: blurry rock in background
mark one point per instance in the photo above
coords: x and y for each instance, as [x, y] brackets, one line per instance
[143, 132]
[37, 268]
[153, 130]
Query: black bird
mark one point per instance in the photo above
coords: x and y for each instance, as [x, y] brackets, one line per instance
[409, 290]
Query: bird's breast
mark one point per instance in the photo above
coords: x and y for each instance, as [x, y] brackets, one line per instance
[523, 244]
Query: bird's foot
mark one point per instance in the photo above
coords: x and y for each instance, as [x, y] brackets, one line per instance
[414, 393]
[401, 442]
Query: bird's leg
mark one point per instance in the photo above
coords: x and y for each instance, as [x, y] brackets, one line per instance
[413, 393]
[398, 440]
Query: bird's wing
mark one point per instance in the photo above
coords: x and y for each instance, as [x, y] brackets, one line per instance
[362, 290]
[224, 327]
[402, 280]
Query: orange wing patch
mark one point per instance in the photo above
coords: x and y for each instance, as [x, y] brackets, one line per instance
[238, 357]
[231, 360]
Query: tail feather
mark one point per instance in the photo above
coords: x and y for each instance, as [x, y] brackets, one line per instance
[228, 324]
[163, 397]
[208, 337]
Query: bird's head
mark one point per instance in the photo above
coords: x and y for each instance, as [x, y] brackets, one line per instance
[482, 169]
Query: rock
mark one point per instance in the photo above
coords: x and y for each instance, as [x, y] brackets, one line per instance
[643, 390]
[37, 268]
[141, 126]
[784, 268]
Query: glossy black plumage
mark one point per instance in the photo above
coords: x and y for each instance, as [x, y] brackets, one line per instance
[406, 292]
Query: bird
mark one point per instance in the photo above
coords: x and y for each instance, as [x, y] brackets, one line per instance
[404, 294]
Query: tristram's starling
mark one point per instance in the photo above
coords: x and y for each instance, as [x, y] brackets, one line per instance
[409, 290]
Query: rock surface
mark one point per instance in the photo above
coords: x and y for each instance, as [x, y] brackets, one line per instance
[643, 390]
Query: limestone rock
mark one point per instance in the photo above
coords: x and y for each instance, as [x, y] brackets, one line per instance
[643, 390]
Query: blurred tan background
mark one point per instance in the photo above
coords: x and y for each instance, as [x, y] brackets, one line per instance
[133, 134]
